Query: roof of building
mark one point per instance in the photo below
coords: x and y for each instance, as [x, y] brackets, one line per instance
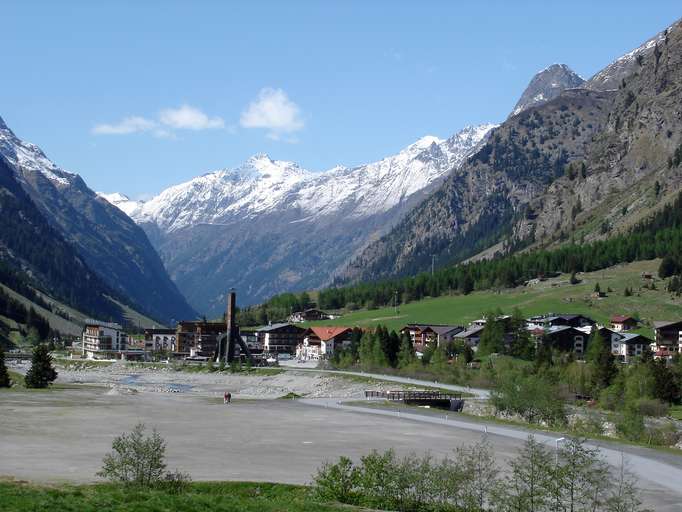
[446, 329]
[561, 328]
[274, 327]
[660, 324]
[327, 333]
[619, 319]
[634, 338]
[437, 328]
[469, 332]
[99, 323]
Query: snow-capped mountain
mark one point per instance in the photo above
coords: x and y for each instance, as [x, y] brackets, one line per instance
[269, 226]
[262, 185]
[30, 158]
[611, 77]
[110, 243]
[547, 85]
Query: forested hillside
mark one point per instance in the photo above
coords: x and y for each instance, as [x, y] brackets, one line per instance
[114, 249]
[659, 236]
[34, 255]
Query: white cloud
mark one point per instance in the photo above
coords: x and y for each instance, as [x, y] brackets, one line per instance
[190, 118]
[274, 111]
[133, 124]
[184, 117]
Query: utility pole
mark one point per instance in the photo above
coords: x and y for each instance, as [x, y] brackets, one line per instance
[395, 301]
[433, 263]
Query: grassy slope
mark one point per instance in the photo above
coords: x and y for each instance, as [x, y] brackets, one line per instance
[554, 295]
[224, 496]
[74, 326]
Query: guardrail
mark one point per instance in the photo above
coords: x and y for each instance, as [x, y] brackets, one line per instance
[413, 395]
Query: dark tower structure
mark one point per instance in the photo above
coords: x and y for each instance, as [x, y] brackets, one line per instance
[227, 342]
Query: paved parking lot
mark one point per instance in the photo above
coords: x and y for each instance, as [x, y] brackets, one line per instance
[63, 435]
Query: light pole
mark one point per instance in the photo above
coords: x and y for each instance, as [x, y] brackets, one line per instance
[556, 445]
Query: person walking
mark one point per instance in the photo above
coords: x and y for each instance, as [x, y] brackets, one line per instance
[225, 397]
[229, 397]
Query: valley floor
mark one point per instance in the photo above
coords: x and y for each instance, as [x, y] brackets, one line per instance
[61, 435]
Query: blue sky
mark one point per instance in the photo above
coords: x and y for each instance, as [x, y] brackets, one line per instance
[137, 96]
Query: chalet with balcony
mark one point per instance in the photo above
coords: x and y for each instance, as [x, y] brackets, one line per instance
[323, 342]
[280, 338]
[667, 338]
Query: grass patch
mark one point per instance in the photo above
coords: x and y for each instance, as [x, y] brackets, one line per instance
[19, 385]
[676, 412]
[201, 496]
[290, 396]
[81, 364]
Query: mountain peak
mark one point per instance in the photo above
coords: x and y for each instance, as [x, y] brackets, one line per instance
[547, 85]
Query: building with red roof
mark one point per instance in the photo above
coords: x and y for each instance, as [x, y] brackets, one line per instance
[321, 342]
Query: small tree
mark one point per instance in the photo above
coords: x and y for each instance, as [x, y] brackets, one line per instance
[580, 478]
[479, 476]
[600, 356]
[406, 355]
[492, 336]
[337, 482]
[136, 459]
[41, 373]
[530, 481]
[5, 381]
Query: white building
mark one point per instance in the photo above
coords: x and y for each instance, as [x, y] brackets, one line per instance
[105, 340]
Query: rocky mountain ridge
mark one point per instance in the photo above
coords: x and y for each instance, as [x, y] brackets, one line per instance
[578, 166]
[547, 85]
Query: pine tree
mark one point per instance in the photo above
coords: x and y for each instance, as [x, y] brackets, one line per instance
[521, 345]
[41, 373]
[406, 355]
[492, 336]
[5, 381]
[600, 356]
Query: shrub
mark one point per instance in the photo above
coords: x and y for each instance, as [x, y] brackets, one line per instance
[175, 482]
[139, 460]
[136, 459]
[651, 407]
[337, 482]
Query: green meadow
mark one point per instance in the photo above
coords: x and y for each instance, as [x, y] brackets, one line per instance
[554, 295]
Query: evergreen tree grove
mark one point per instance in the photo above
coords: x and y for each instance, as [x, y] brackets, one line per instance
[41, 374]
[5, 381]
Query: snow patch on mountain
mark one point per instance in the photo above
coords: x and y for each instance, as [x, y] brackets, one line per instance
[121, 201]
[31, 158]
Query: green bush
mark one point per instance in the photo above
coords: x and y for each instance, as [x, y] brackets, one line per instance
[139, 460]
[338, 482]
[651, 407]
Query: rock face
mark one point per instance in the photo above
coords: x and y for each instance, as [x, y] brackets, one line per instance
[270, 226]
[547, 85]
[107, 240]
[578, 166]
